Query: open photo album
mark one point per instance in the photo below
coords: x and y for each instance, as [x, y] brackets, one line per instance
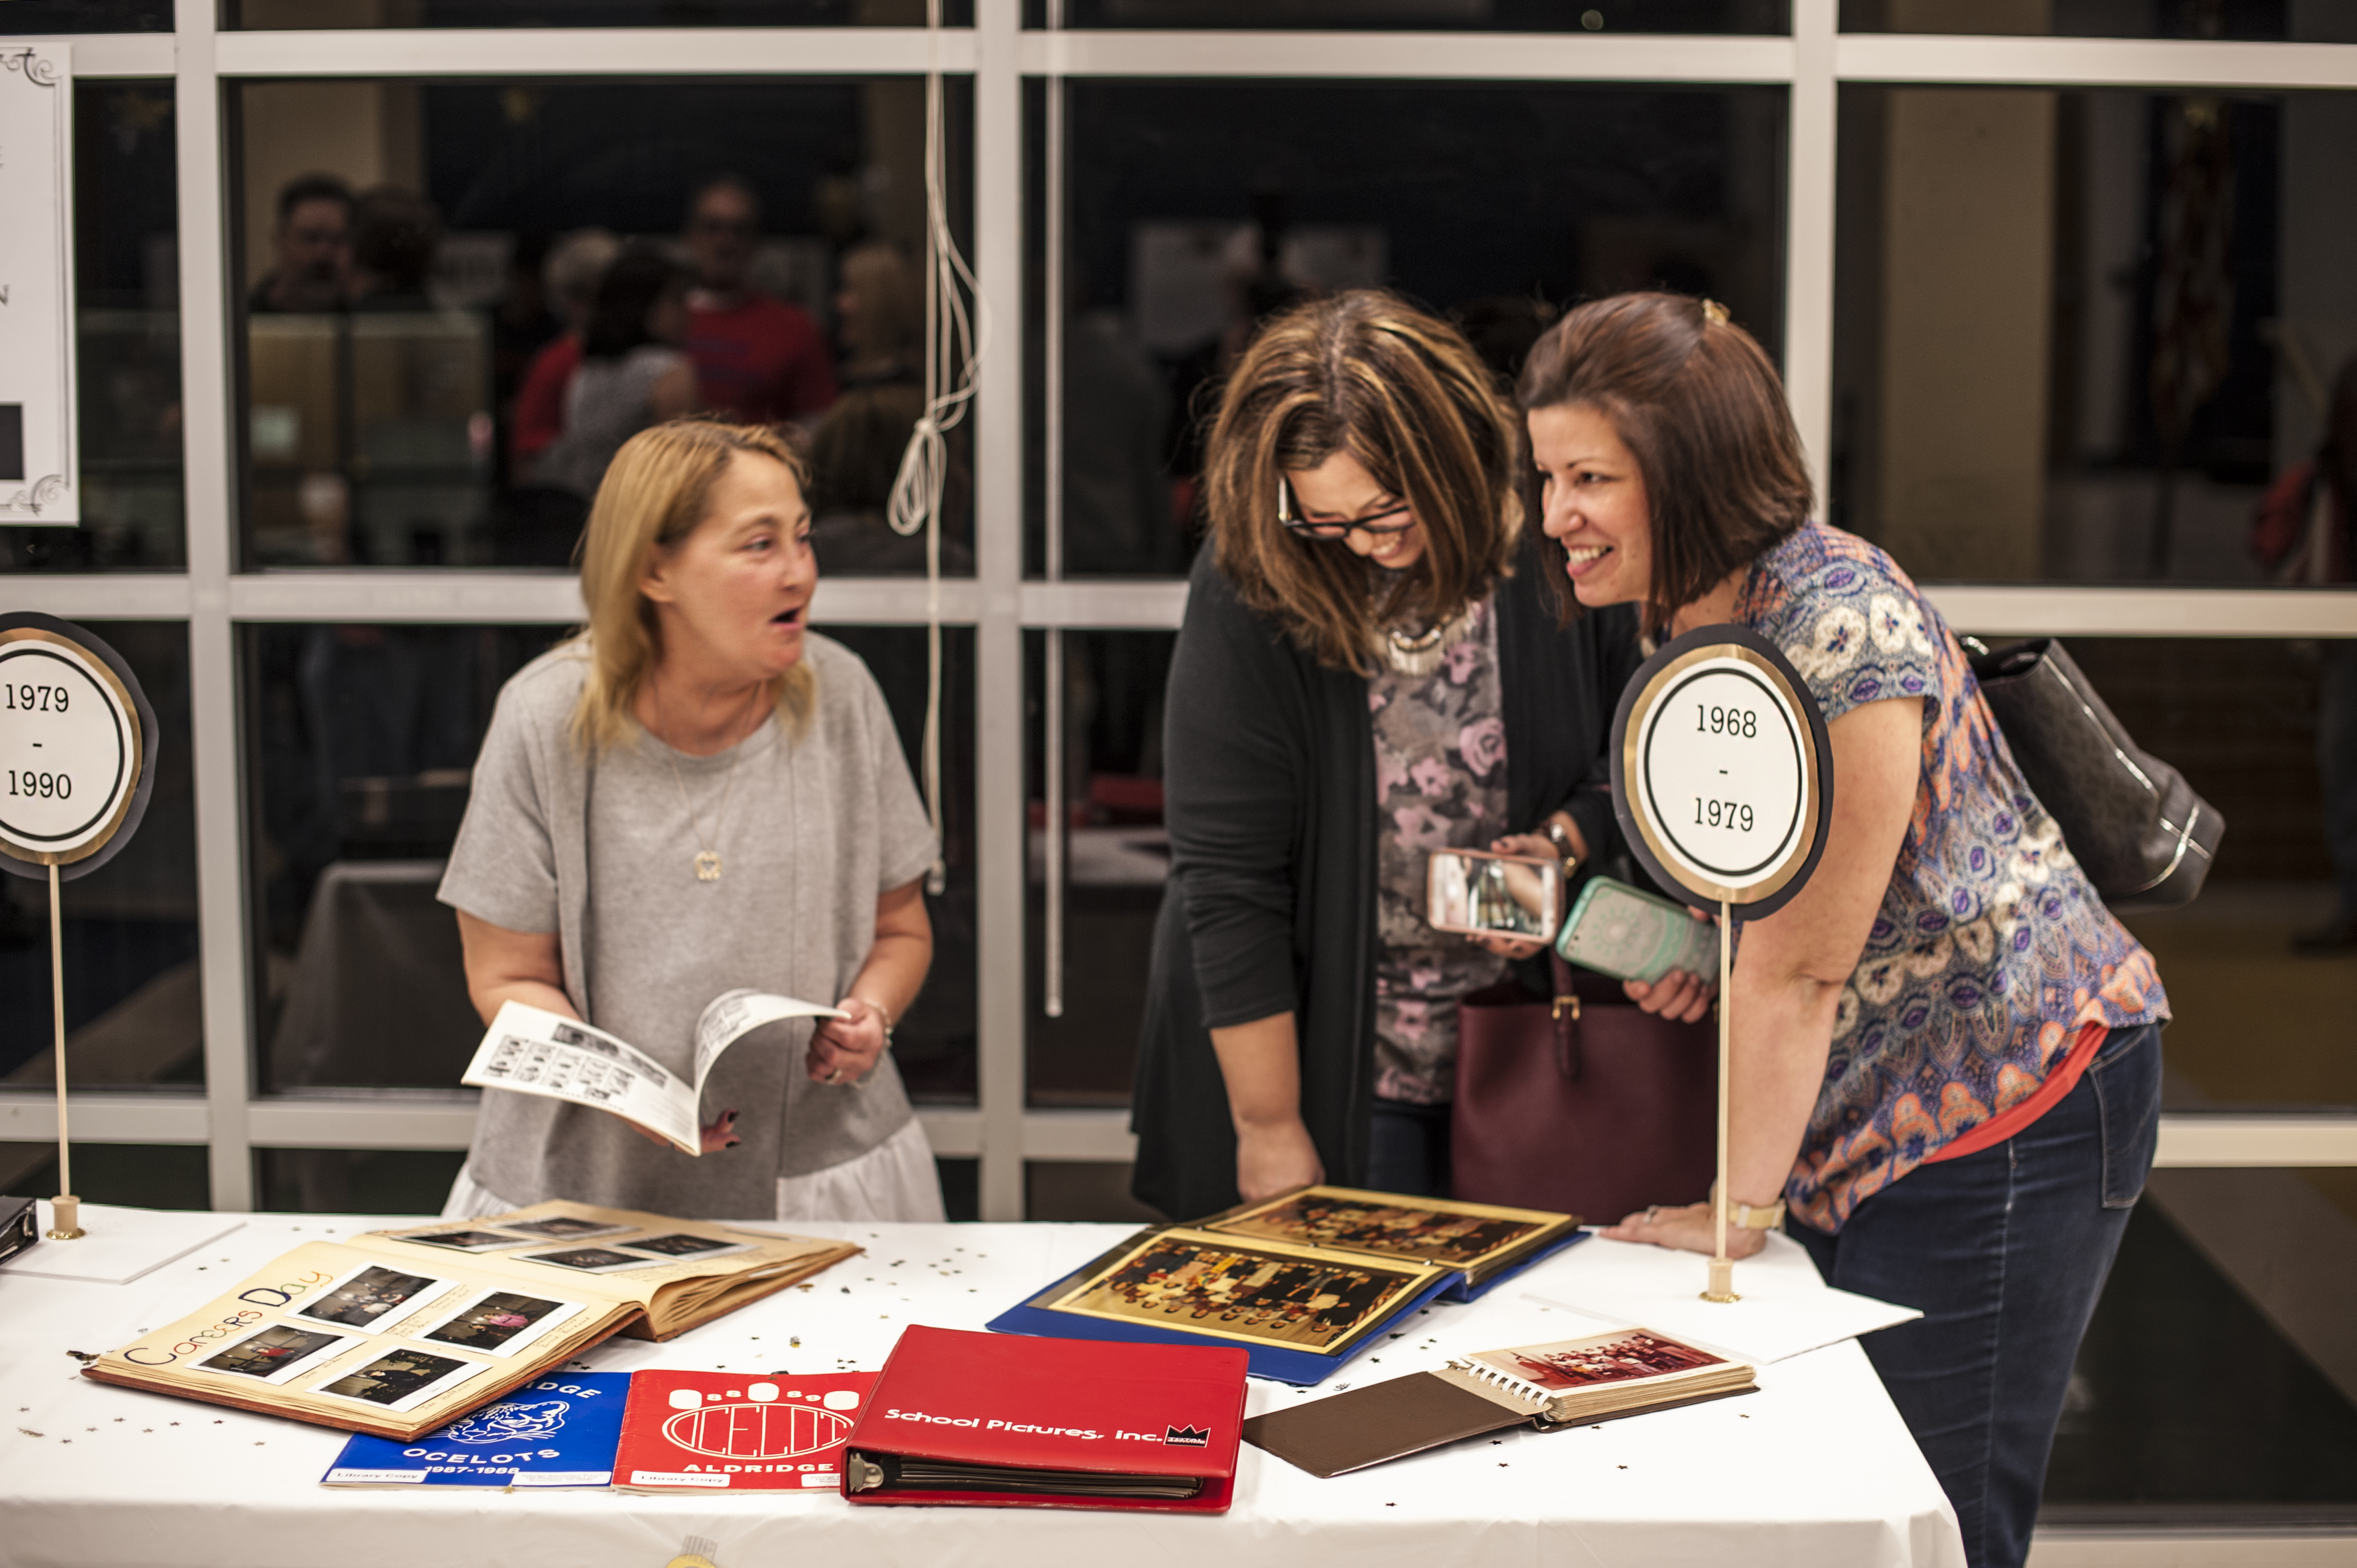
[1482, 1243]
[395, 1332]
[1303, 1281]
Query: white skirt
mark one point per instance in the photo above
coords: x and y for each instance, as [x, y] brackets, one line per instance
[896, 1180]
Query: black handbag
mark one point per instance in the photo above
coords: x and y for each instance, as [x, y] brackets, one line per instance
[2145, 839]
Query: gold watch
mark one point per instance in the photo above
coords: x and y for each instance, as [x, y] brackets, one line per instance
[1751, 1217]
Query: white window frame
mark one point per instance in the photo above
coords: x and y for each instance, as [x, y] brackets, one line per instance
[213, 599]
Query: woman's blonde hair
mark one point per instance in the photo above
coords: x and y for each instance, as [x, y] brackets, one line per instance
[653, 495]
[1368, 373]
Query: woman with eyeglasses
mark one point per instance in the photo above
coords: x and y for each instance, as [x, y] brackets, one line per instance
[1369, 670]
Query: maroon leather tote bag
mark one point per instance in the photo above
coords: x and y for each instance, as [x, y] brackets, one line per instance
[1582, 1104]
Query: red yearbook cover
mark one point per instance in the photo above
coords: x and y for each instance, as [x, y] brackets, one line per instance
[1011, 1421]
[743, 1432]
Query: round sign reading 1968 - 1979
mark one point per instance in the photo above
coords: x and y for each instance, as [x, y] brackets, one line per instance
[1722, 774]
[76, 738]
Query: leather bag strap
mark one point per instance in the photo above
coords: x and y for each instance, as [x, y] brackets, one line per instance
[1566, 1010]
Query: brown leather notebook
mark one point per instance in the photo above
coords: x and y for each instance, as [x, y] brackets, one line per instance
[1571, 1382]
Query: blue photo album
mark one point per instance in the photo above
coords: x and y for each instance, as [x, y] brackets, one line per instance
[1303, 1282]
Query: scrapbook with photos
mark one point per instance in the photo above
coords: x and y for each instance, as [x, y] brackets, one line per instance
[558, 1431]
[1484, 1243]
[960, 1417]
[1567, 1383]
[1303, 1281]
[395, 1332]
[738, 1432]
[1297, 1312]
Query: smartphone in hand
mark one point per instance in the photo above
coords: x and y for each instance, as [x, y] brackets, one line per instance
[1631, 934]
[1477, 892]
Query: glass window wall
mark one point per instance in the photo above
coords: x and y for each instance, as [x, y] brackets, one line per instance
[343, 13]
[459, 299]
[2092, 337]
[2297, 21]
[1196, 208]
[1116, 861]
[133, 1018]
[1453, 15]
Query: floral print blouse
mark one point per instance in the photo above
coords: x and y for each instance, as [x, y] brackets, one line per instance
[1440, 783]
[1991, 950]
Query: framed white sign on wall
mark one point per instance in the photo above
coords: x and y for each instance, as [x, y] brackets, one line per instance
[39, 463]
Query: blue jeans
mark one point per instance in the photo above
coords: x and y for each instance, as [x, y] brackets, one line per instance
[2004, 1252]
[1409, 1149]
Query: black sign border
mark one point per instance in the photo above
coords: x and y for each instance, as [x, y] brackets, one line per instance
[1803, 702]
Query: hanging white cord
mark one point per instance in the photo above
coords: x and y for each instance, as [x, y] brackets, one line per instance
[953, 348]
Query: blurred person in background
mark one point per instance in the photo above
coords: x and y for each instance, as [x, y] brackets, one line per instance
[758, 360]
[314, 245]
[2301, 530]
[879, 306]
[634, 372]
[577, 264]
[395, 233]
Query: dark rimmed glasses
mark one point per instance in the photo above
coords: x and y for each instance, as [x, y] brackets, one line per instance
[1374, 522]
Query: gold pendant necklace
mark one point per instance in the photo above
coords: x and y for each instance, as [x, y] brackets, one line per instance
[707, 859]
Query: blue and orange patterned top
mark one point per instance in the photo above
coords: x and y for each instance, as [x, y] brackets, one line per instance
[1991, 951]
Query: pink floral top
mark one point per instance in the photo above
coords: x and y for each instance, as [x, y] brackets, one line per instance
[1990, 951]
[1440, 783]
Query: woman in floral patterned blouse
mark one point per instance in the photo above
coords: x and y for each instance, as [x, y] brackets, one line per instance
[1946, 1055]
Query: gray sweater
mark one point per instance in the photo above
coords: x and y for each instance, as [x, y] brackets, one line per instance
[811, 828]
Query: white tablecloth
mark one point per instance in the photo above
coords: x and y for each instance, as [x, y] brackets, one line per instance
[1815, 1469]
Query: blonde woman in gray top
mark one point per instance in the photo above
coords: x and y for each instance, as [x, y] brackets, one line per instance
[698, 794]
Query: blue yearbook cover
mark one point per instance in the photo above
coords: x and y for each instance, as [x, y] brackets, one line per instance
[557, 1431]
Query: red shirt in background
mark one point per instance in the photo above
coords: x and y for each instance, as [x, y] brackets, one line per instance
[540, 399]
[760, 360]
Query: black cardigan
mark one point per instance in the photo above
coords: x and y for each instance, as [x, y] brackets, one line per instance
[1268, 769]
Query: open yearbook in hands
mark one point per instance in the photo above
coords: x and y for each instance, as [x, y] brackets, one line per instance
[960, 1417]
[395, 1332]
[1566, 1382]
[1303, 1281]
[534, 1051]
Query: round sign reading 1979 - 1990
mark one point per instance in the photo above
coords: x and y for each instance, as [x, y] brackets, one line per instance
[76, 739]
[1721, 770]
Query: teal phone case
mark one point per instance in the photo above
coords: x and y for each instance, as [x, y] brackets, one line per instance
[1631, 934]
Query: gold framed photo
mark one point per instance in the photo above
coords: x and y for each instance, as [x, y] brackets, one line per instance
[1260, 1293]
[1474, 1237]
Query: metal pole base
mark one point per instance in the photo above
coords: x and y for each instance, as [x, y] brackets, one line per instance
[67, 1211]
[1722, 1281]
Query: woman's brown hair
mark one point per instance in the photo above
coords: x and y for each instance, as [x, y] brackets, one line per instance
[1695, 401]
[1367, 373]
[651, 499]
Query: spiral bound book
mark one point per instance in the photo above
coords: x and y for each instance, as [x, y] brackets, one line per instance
[1566, 1382]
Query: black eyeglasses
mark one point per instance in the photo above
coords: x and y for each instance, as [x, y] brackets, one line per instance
[1374, 522]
